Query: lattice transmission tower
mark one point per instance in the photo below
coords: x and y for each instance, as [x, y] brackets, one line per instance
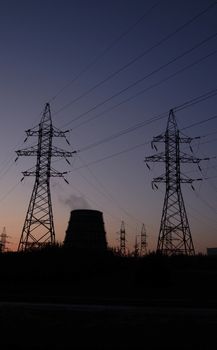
[143, 241]
[38, 229]
[3, 240]
[122, 239]
[174, 235]
[136, 248]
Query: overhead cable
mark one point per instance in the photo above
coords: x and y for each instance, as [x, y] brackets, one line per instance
[138, 81]
[106, 50]
[138, 57]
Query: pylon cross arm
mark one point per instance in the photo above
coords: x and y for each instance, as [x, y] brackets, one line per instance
[57, 174]
[160, 157]
[159, 138]
[185, 139]
[58, 133]
[58, 152]
[159, 179]
[31, 151]
[189, 181]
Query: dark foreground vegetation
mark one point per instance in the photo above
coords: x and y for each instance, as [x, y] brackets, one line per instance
[59, 298]
[59, 274]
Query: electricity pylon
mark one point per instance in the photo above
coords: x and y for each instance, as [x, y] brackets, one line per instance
[38, 228]
[3, 240]
[136, 248]
[175, 235]
[122, 239]
[143, 241]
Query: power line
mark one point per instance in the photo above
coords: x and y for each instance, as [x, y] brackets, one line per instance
[138, 57]
[201, 215]
[200, 122]
[9, 191]
[128, 149]
[90, 200]
[189, 103]
[114, 155]
[142, 124]
[105, 191]
[194, 101]
[106, 50]
[9, 161]
[125, 131]
[205, 202]
[2, 172]
[209, 134]
[141, 92]
[209, 141]
[138, 81]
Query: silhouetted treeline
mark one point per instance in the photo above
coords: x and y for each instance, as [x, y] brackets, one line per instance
[58, 273]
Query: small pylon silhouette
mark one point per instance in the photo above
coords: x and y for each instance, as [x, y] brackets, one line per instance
[143, 241]
[3, 240]
[38, 229]
[136, 248]
[122, 239]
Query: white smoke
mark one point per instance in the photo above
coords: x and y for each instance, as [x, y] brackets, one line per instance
[76, 202]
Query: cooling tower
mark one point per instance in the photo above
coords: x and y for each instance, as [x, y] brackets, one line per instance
[86, 231]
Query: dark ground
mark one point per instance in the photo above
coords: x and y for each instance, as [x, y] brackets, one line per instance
[59, 299]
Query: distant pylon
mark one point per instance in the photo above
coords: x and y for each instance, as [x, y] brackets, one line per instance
[3, 240]
[136, 248]
[38, 229]
[143, 241]
[175, 235]
[122, 239]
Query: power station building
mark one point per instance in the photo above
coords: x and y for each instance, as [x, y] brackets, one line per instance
[86, 231]
[212, 251]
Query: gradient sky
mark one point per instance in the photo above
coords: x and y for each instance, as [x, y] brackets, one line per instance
[55, 51]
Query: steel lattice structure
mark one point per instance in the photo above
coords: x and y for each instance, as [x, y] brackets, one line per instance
[174, 235]
[3, 240]
[122, 239]
[143, 242]
[38, 228]
[136, 248]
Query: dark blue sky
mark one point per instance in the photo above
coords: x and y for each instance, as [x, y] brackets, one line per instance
[56, 51]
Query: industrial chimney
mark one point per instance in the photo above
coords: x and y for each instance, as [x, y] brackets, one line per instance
[86, 231]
